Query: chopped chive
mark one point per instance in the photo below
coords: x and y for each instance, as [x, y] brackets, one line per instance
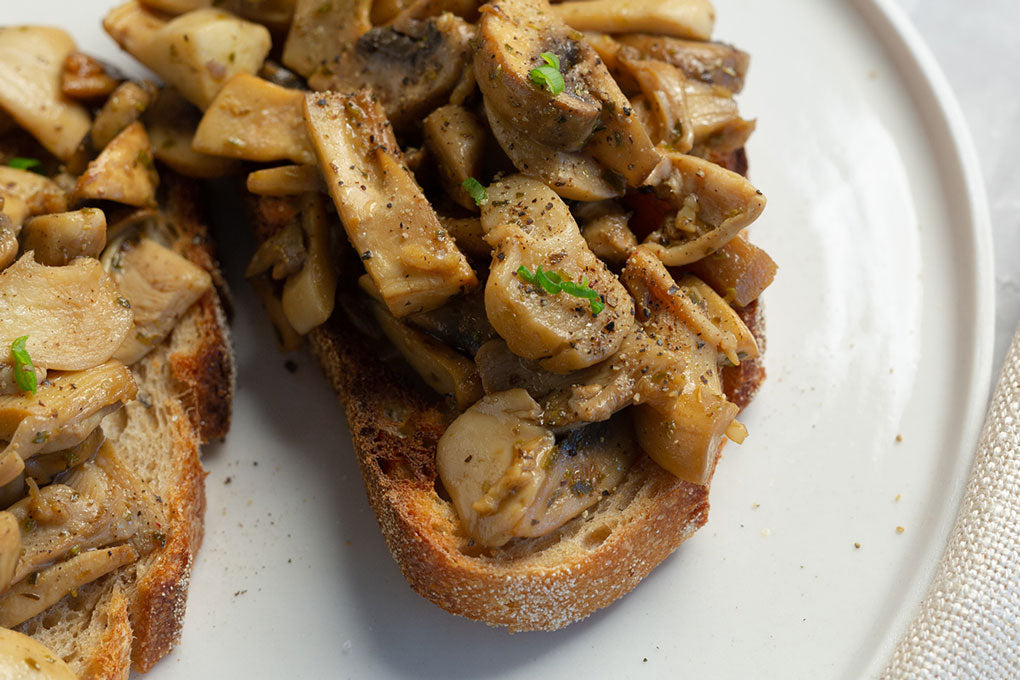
[554, 282]
[24, 369]
[548, 77]
[476, 190]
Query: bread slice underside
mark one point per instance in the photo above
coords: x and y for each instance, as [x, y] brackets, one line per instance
[133, 617]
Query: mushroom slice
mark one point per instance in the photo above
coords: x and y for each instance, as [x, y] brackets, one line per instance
[501, 370]
[467, 232]
[97, 504]
[590, 112]
[25, 193]
[8, 243]
[664, 90]
[196, 53]
[283, 252]
[679, 18]
[707, 62]
[18, 652]
[739, 271]
[171, 121]
[413, 262]
[457, 139]
[509, 477]
[446, 371]
[412, 66]
[586, 465]
[254, 120]
[460, 323]
[605, 228]
[58, 238]
[491, 461]
[65, 411]
[125, 106]
[31, 62]
[713, 205]
[573, 175]
[74, 316]
[285, 180]
[529, 227]
[123, 172]
[28, 598]
[310, 294]
[321, 31]
[42, 468]
[85, 78]
[159, 286]
[715, 121]
[10, 547]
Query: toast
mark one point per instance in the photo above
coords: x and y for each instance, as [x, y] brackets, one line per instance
[133, 617]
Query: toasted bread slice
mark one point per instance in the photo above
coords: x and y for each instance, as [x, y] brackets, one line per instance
[133, 617]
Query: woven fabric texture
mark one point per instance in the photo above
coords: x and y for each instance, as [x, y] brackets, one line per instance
[969, 622]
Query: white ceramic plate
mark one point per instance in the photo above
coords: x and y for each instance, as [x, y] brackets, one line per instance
[879, 341]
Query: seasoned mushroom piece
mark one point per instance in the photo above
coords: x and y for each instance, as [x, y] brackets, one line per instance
[285, 180]
[707, 62]
[63, 412]
[25, 193]
[17, 650]
[125, 106]
[412, 66]
[42, 468]
[446, 371]
[85, 78]
[413, 262]
[678, 18]
[8, 243]
[517, 38]
[713, 204]
[10, 547]
[30, 597]
[605, 227]
[460, 323]
[322, 31]
[74, 316]
[456, 138]
[124, 172]
[195, 53]
[508, 477]
[739, 271]
[171, 121]
[572, 320]
[254, 120]
[31, 62]
[663, 87]
[310, 293]
[58, 238]
[159, 286]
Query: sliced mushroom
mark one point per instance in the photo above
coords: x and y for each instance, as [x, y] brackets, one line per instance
[529, 227]
[58, 238]
[457, 139]
[255, 120]
[460, 323]
[195, 53]
[18, 652]
[707, 62]
[25, 193]
[310, 294]
[27, 599]
[10, 547]
[410, 257]
[413, 67]
[171, 121]
[467, 232]
[443, 369]
[508, 477]
[124, 172]
[125, 106]
[500, 370]
[42, 468]
[159, 286]
[285, 180]
[664, 91]
[283, 252]
[8, 243]
[739, 271]
[572, 175]
[98, 504]
[679, 18]
[85, 78]
[322, 31]
[713, 204]
[590, 111]
[64, 412]
[715, 120]
[31, 62]
[74, 316]
[605, 228]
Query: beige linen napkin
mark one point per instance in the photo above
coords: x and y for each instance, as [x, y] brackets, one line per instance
[969, 622]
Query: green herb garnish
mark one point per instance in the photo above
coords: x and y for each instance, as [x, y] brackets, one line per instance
[33, 164]
[548, 76]
[553, 282]
[476, 190]
[24, 369]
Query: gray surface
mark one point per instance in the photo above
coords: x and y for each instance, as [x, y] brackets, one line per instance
[978, 47]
